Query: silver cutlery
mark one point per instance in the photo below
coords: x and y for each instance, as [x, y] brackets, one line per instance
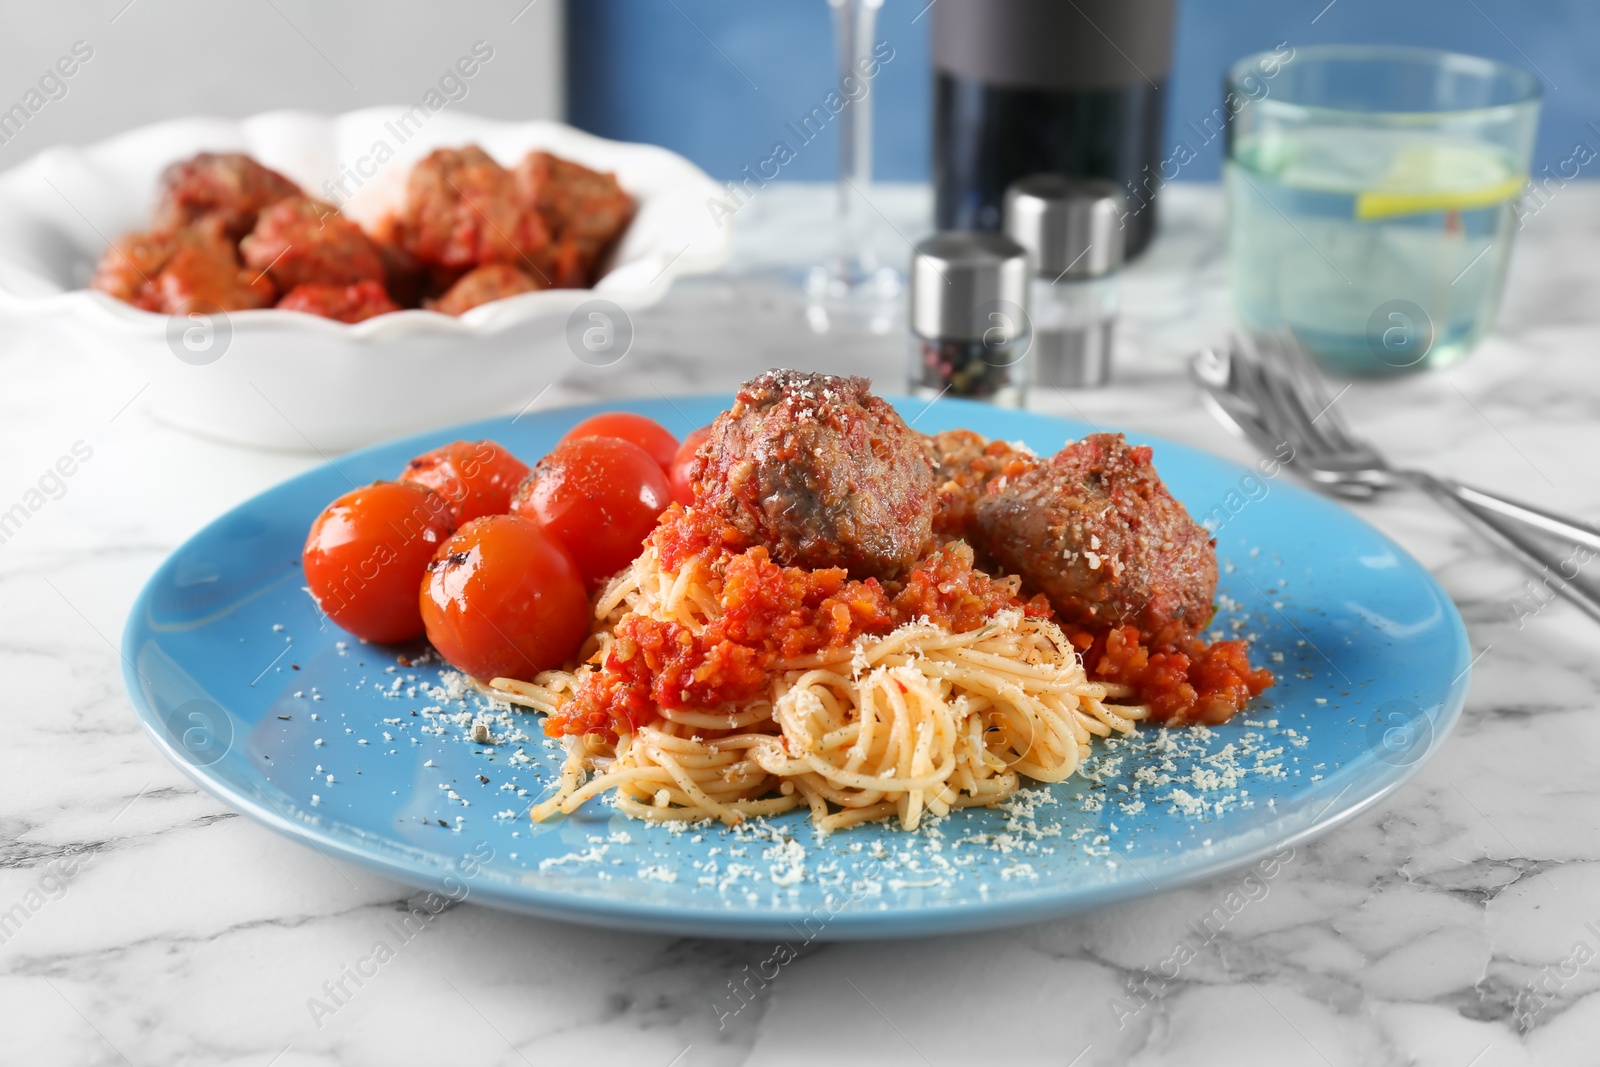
[1265, 390]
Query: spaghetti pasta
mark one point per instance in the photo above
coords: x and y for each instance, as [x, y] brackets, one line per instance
[906, 724]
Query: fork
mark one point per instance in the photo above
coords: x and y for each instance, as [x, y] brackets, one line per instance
[1274, 398]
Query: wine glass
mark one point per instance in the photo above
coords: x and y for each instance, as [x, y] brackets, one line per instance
[852, 289]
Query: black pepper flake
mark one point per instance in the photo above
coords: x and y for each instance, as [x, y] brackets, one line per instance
[441, 822]
[482, 779]
[294, 666]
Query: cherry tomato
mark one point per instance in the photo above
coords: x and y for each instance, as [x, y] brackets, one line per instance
[600, 497]
[503, 600]
[367, 553]
[681, 471]
[476, 477]
[648, 434]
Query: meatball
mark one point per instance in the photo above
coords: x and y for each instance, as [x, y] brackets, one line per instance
[190, 269]
[227, 186]
[129, 268]
[585, 210]
[1094, 530]
[300, 241]
[208, 278]
[965, 464]
[462, 209]
[346, 303]
[494, 281]
[821, 472]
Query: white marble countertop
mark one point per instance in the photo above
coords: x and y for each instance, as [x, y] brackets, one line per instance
[1456, 925]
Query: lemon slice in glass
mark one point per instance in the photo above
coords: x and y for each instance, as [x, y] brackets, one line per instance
[1440, 177]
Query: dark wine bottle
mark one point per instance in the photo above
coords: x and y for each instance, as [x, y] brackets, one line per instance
[1072, 87]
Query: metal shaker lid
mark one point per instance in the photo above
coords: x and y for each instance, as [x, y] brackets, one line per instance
[1071, 227]
[962, 279]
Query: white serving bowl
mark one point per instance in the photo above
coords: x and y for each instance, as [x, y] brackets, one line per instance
[282, 379]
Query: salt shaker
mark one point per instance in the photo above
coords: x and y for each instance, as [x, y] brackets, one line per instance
[970, 331]
[1072, 229]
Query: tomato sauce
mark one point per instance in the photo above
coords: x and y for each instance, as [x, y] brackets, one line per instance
[769, 614]
[1192, 682]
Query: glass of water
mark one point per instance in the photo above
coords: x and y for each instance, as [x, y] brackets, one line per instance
[1372, 198]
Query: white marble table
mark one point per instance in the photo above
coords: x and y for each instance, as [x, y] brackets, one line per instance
[157, 927]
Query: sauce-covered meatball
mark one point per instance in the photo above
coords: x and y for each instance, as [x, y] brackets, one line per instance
[207, 277]
[129, 268]
[300, 241]
[585, 210]
[965, 464]
[229, 187]
[346, 303]
[821, 472]
[462, 209]
[1094, 530]
[191, 269]
[492, 281]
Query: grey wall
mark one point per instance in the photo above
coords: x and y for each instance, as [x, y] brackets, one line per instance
[158, 59]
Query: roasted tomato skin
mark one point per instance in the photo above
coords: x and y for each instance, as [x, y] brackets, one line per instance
[681, 471]
[502, 599]
[600, 497]
[648, 434]
[476, 477]
[367, 552]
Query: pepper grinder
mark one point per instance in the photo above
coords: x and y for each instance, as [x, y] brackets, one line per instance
[1072, 230]
[969, 317]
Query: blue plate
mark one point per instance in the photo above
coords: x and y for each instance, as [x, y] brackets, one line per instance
[368, 756]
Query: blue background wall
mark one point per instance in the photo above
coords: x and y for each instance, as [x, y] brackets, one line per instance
[717, 79]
